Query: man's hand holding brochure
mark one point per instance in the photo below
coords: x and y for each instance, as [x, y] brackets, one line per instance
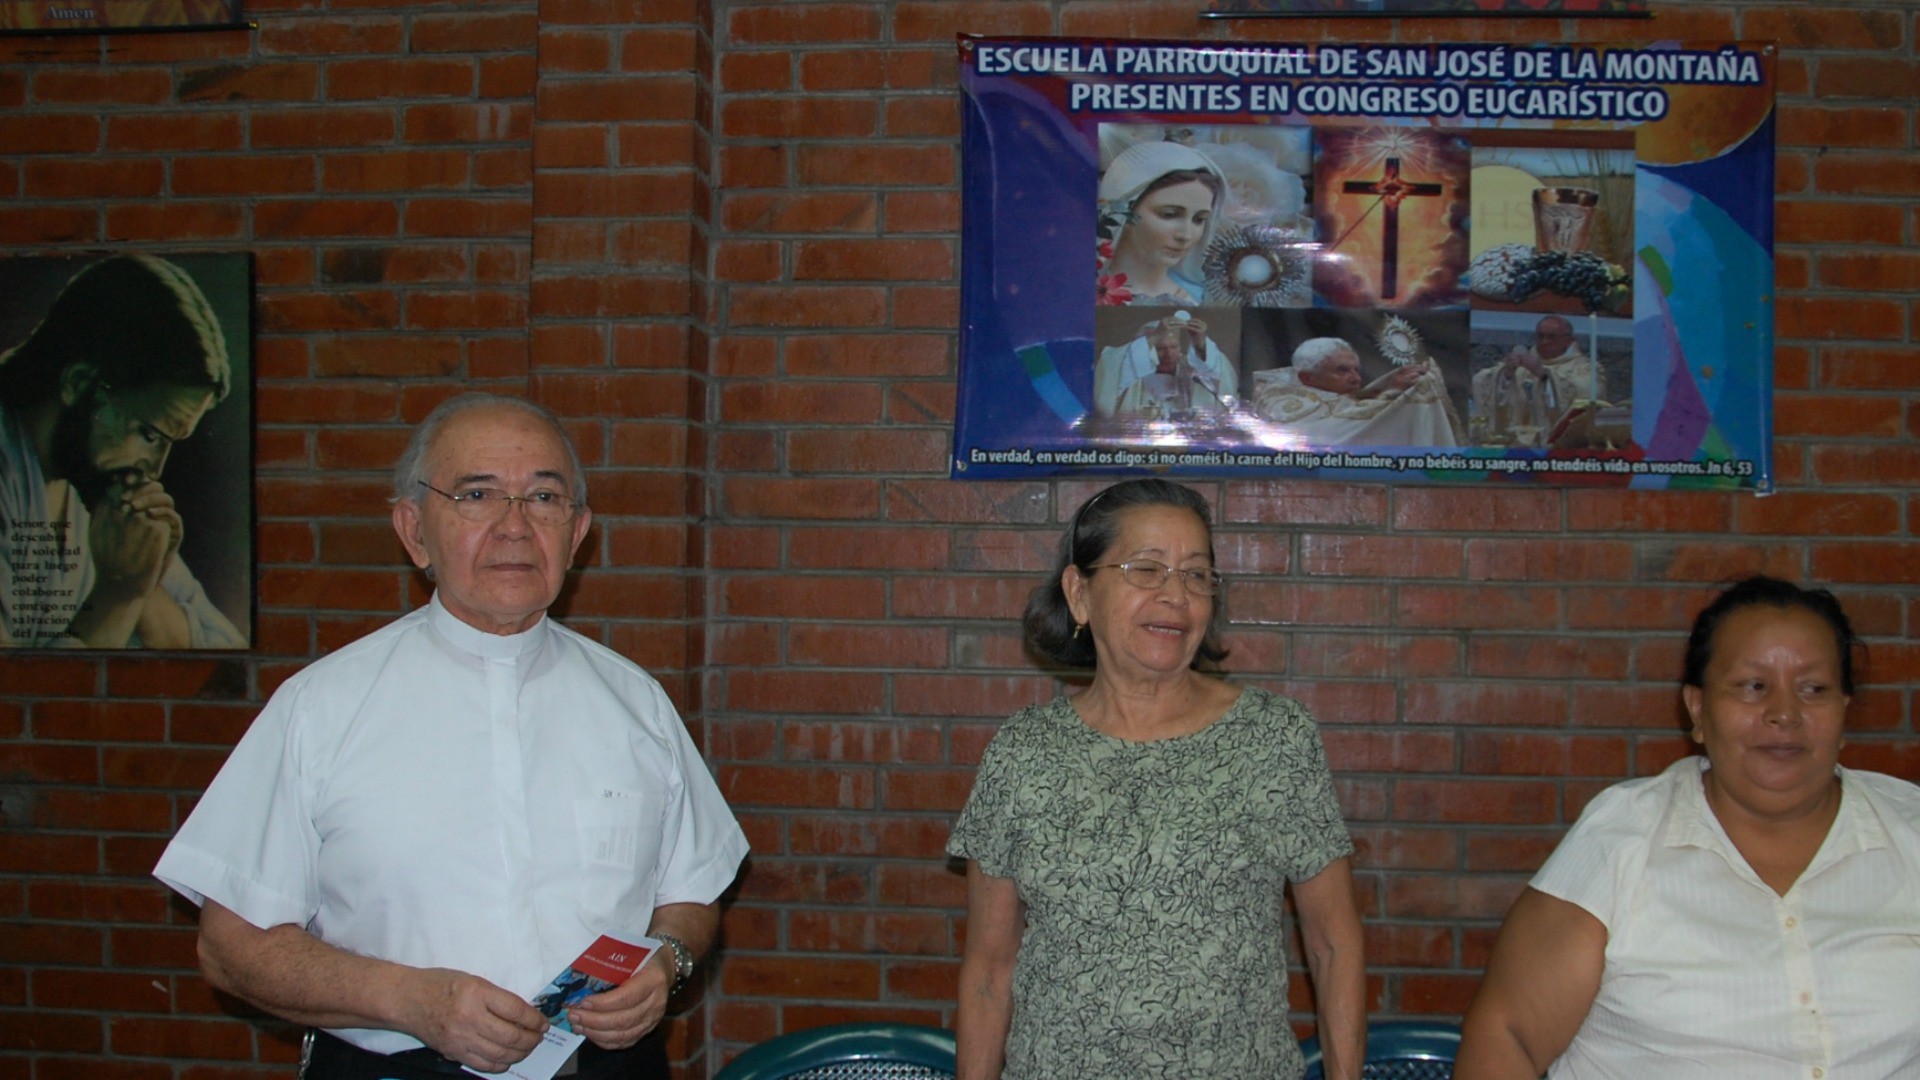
[572, 1013]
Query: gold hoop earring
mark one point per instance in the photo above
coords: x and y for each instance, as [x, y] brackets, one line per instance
[1077, 628]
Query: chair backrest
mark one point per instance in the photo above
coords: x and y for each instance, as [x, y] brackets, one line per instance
[872, 1051]
[1399, 1050]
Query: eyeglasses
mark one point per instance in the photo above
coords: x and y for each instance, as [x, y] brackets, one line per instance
[491, 504]
[1152, 574]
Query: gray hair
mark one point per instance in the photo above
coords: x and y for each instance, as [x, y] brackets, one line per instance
[1314, 353]
[411, 470]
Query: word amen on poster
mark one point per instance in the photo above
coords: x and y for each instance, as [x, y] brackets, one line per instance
[1320, 9]
[1434, 262]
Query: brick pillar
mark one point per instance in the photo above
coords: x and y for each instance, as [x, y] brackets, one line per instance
[618, 330]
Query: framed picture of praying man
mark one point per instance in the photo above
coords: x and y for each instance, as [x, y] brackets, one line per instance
[126, 437]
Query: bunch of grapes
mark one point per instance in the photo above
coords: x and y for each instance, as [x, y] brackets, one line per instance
[1586, 277]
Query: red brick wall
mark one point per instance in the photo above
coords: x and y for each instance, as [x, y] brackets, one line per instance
[721, 239]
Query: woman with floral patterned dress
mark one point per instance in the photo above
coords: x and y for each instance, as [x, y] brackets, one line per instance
[1127, 847]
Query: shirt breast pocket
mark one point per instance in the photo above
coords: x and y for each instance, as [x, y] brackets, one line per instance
[618, 829]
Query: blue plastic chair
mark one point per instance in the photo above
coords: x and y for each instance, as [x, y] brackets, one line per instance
[1399, 1050]
[872, 1051]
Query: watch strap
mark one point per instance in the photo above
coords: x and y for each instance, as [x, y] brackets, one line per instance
[682, 960]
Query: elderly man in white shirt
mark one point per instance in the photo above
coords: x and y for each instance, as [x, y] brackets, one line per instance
[423, 828]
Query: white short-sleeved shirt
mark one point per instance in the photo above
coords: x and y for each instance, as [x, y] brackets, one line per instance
[1712, 975]
[442, 797]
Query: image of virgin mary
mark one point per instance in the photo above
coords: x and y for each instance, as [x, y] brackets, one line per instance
[1158, 205]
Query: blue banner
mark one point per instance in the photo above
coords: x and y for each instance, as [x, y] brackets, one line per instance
[1432, 262]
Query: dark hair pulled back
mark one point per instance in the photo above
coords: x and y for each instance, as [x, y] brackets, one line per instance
[1771, 592]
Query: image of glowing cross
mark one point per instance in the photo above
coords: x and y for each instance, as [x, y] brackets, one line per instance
[1391, 190]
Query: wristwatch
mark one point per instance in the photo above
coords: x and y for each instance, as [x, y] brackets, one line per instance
[682, 961]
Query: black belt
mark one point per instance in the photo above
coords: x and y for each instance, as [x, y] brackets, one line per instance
[333, 1058]
[329, 1057]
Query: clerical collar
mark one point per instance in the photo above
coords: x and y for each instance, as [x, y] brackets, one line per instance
[480, 643]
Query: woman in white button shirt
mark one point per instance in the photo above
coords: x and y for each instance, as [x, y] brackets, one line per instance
[1753, 912]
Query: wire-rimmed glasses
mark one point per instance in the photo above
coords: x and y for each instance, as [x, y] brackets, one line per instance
[1152, 574]
[487, 504]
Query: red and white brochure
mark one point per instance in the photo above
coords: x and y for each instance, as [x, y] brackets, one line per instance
[610, 960]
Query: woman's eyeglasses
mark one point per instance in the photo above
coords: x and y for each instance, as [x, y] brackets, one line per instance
[1152, 574]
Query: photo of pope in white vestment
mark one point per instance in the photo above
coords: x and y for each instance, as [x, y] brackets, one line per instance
[1323, 401]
